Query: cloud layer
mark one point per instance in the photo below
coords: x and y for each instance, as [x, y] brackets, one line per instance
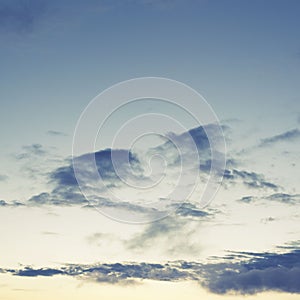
[243, 273]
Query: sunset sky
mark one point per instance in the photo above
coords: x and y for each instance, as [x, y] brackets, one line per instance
[137, 239]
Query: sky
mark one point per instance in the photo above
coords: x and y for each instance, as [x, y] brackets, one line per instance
[166, 218]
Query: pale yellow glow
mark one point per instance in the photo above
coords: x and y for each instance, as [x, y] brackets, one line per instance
[64, 288]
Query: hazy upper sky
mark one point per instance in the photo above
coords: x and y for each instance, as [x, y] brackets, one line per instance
[243, 57]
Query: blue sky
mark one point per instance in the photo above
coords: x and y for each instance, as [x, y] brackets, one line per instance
[242, 56]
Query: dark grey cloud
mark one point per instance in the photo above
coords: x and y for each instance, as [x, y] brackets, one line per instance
[21, 15]
[110, 273]
[242, 273]
[264, 272]
[30, 272]
[64, 176]
[288, 136]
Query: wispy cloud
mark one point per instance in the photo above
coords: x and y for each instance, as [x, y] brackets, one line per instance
[288, 136]
[31, 151]
[55, 133]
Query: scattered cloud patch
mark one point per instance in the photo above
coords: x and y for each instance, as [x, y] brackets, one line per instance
[250, 179]
[3, 203]
[284, 198]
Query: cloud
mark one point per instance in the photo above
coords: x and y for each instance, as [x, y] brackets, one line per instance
[190, 210]
[21, 15]
[166, 231]
[110, 273]
[242, 273]
[287, 136]
[65, 175]
[31, 151]
[30, 272]
[154, 231]
[264, 272]
[129, 166]
[65, 190]
[3, 203]
[247, 199]
[285, 198]
[250, 179]
[61, 197]
[56, 133]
